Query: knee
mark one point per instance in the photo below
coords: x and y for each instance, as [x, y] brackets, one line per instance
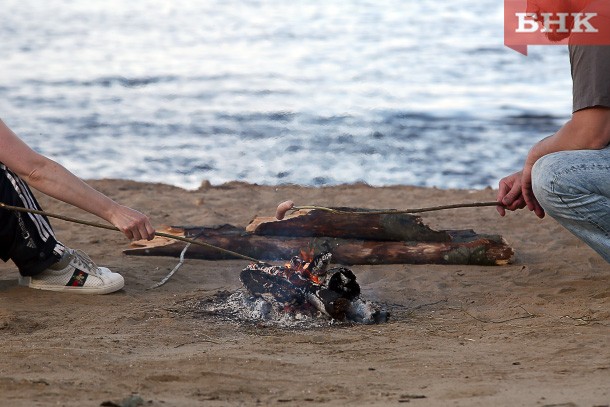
[555, 181]
[542, 180]
[545, 182]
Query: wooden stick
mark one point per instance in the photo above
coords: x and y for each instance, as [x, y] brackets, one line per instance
[463, 247]
[296, 208]
[391, 211]
[108, 227]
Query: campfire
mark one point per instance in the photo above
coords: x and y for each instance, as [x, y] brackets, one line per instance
[305, 292]
[307, 289]
[306, 286]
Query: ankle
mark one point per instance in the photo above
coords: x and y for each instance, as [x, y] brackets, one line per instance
[62, 263]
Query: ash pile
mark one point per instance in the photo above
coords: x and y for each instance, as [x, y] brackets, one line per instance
[305, 291]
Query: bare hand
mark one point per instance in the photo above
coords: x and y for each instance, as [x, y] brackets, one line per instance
[510, 193]
[528, 193]
[135, 225]
[515, 192]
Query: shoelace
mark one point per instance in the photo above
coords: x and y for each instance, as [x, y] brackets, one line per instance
[83, 261]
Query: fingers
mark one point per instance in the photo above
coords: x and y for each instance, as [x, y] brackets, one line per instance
[136, 234]
[128, 234]
[532, 203]
[503, 189]
[142, 229]
[513, 197]
[528, 194]
[133, 224]
[510, 194]
[519, 203]
[132, 232]
[150, 231]
[538, 209]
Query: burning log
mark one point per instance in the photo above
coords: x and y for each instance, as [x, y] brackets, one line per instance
[300, 284]
[354, 225]
[463, 247]
[287, 283]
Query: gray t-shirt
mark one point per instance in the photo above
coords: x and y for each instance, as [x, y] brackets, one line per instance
[591, 63]
[590, 75]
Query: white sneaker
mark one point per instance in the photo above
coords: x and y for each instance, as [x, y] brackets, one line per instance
[75, 273]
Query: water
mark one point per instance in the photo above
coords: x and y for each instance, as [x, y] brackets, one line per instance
[316, 92]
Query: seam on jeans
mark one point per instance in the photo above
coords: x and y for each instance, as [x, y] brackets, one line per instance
[579, 167]
[587, 218]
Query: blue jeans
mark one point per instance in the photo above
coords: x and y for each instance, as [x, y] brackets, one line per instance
[574, 188]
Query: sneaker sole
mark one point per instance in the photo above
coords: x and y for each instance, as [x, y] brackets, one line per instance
[107, 289]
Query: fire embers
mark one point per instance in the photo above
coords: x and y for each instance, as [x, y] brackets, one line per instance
[305, 286]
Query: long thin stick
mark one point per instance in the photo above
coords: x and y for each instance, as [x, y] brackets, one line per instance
[102, 226]
[391, 211]
[232, 253]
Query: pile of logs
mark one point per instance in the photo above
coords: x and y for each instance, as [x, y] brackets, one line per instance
[300, 284]
[352, 238]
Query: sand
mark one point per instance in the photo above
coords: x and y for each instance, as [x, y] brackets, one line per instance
[533, 333]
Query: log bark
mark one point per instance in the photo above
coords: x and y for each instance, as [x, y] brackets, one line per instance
[464, 247]
[370, 226]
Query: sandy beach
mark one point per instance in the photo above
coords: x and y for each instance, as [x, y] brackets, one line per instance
[534, 333]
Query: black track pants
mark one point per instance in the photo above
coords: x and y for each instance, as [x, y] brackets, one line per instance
[25, 238]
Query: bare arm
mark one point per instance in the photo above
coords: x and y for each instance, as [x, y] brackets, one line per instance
[51, 178]
[589, 129]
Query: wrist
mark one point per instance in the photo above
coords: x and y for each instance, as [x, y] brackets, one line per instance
[110, 210]
[532, 156]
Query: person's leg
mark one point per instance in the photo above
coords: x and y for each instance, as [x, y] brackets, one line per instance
[574, 188]
[43, 262]
[25, 238]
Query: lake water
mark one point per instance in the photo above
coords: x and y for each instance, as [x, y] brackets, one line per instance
[411, 92]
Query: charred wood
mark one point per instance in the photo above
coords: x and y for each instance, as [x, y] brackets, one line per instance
[362, 226]
[334, 293]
